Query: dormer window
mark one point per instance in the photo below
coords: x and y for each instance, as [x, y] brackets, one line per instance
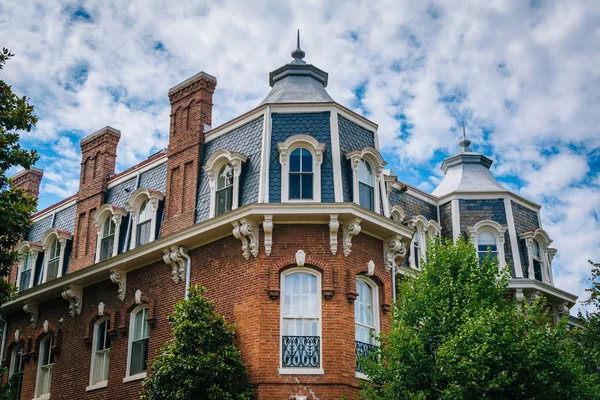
[108, 220]
[301, 157]
[53, 260]
[538, 255]
[29, 252]
[488, 236]
[424, 229]
[143, 206]
[108, 239]
[54, 243]
[367, 168]
[26, 272]
[486, 241]
[223, 169]
[224, 194]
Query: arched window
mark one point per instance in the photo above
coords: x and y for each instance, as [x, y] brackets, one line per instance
[416, 249]
[45, 364]
[53, 260]
[486, 241]
[366, 318]
[139, 335]
[537, 260]
[17, 367]
[144, 221]
[301, 319]
[224, 189]
[100, 353]
[107, 240]
[301, 175]
[26, 272]
[366, 185]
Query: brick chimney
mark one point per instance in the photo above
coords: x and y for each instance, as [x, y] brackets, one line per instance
[29, 180]
[191, 110]
[98, 159]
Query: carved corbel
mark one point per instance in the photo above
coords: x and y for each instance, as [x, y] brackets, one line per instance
[334, 227]
[238, 235]
[392, 248]
[562, 310]
[519, 296]
[31, 308]
[249, 229]
[173, 258]
[268, 228]
[119, 277]
[351, 229]
[534, 295]
[73, 294]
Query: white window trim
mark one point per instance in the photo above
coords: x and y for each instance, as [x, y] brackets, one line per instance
[134, 203]
[13, 357]
[301, 371]
[495, 229]
[212, 167]
[43, 344]
[376, 317]
[34, 250]
[374, 158]
[397, 214]
[101, 217]
[141, 375]
[547, 254]
[47, 240]
[104, 383]
[422, 227]
[285, 150]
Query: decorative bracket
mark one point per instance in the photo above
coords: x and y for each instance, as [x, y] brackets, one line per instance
[562, 310]
[334, 226]
[31, 308]
[351, 229]
[119, 277]
[393, 247]
[246, 230]
[73, 294]
[238, 235]
[177, 263]
[268, 228]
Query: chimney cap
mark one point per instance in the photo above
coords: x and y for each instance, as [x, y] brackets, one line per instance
[191, 79]
[99, 132]
[25, 171]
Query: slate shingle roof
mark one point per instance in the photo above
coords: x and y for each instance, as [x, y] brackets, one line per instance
[352, 137]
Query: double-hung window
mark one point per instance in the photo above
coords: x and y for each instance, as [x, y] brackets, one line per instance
[301, 175]
[101, 352]
[300, 315]
[45, 364]
[366, 185]
[53, 260]
[16, 369]
[26, 272]
[365, 319]
[537, 260]
[224, 189]
[486, 241]
[108, 239]
[138, 342]
[417, 249]
[143, 223]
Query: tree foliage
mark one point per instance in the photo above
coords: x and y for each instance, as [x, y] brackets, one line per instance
[201, 361]
[458, 334]
[16, 114]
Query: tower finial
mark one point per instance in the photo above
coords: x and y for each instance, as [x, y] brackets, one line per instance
[298, 54]
[465, 143]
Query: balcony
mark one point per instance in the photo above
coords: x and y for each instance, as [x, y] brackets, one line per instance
[301, 352]
[364, 350]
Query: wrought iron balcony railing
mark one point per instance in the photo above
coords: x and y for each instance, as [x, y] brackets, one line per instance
[364, 350]
[301, 351]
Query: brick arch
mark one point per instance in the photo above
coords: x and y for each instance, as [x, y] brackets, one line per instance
[113, 316]
[145, 299]
[314, 262]
[10, 345]
[39, 334]
[378, 277]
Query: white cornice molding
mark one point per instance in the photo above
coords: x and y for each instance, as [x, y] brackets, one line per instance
[551, 292]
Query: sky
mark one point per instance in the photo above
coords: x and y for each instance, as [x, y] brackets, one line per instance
[522, 75]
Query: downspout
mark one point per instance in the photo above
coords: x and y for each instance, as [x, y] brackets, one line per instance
[394, 283]
[5, 324]
[188, 270]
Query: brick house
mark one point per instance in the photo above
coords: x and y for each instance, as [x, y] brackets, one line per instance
[285, 214]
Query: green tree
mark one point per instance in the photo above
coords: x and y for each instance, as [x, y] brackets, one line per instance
[458, 334]
[201, 361]
[16, 114]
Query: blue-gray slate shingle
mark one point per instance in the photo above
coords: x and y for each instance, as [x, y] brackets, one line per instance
[155, 179]
[247, 140]
[525, 220]
[413, 205]
[65, 219]
[312, 124]
[119, 194]
[446, 220]
[352, 137]
[38, 229]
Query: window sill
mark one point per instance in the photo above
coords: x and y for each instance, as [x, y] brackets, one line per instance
[301, 371]
[95, 386]
[362, 376]
[135, 377]
[42, 397]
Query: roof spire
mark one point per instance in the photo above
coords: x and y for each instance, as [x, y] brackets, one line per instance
[298, 54]
[465, 143]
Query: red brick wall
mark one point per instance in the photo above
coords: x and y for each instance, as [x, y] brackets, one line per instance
[29, 181]
[239, 289]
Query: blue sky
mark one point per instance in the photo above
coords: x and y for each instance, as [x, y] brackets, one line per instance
[523, 77]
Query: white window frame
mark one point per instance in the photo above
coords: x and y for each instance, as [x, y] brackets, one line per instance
[301, 371]
[376, 317]
[43, 348]
[32, 250]
[374, 158]
[141, 375]
[423, 228]
[212, 167]
[134, 203]
[101, 384]
[397, 214]
[285, 150]
[495, 229]
[48, 240]
[13, 356]
[546, 254]
[101, 217]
